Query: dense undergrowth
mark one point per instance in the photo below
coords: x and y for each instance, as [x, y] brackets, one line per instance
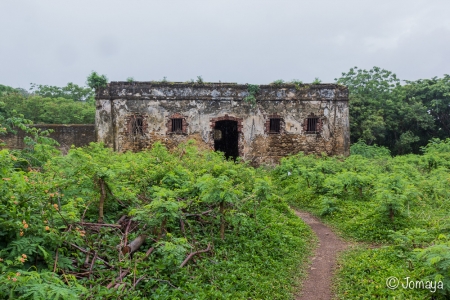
[187, 224]
[401, 204]
[95, 224]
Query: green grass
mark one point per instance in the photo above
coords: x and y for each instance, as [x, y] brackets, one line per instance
[399, 203]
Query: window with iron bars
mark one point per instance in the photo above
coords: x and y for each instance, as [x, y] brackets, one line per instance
[275, 125]
[137, 126]
[312, 124]
[177, 125]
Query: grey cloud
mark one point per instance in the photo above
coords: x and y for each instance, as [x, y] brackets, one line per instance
[54, 42]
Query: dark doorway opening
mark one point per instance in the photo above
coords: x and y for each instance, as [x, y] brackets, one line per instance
[226, 137]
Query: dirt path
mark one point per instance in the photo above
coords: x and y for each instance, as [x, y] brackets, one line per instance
[317, 285]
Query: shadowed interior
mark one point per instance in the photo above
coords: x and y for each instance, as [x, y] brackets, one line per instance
[227, 142]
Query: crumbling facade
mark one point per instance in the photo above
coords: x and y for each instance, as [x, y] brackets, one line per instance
[262, 126]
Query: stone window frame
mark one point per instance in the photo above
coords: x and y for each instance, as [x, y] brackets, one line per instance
[184, 124]
[131, 127]
[319, 124]
[267, 124]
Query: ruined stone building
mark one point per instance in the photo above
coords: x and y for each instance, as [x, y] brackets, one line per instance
[260, 126]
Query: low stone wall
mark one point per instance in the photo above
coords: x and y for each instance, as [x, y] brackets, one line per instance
[65, 134]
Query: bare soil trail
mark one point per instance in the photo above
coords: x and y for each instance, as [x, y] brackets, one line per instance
[317, 286]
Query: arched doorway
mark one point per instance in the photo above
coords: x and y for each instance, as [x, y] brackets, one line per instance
[226, 138]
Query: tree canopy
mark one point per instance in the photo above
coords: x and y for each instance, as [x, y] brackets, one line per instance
[400, 117]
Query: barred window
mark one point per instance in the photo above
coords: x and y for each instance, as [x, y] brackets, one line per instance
[177, 125]
[137, 126]
[275, 125]
[312, 124]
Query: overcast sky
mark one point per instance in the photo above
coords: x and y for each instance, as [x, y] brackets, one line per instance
[244, 41]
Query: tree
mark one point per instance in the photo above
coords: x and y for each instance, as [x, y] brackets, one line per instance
[70, 91]
[434, 93]
[380, 112]
[96, 81]
[4, 89]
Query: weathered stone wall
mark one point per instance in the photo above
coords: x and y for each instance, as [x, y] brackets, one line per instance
[202, 105]
[66, 135]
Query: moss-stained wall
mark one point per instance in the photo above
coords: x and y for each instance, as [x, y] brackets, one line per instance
[200, 106]
[66, 135]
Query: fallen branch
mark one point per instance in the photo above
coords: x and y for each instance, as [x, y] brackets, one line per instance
[137, 281]
[121, 219]
[100, 224]
[79, 275]
[56, 261]
[87, 206]
[120, 286]
[149, 251]
[86, 261]
[192, 254]
[126, 232]
[182, 226]
[88, 252]
[120, 277]
[92, 264]
[134, 245]
[101, 184]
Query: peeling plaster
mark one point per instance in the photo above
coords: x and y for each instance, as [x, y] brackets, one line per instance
[199, 104]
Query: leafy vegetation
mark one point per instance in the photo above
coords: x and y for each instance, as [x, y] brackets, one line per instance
[400, 203]
[96, 81]
[47, 110]
[70, 91]
[402, 118]
[253, 89]
[96, 224]
[200, 80]
[317, 81]
[278, 82]
[71, 104]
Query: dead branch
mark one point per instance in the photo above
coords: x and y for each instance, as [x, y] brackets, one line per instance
[118, 278]
[121, 219]
[87, 252]
[92, 264]
[56, 261]
[126, 232]
[134, 245]
[182, 226]
[166, 281]
[108, 189]
[86, 261]
[149, 251]
[162, 228]
[79, 275]
[192, 254]
[137, 281]
[101, 183]
[100, 224]
[120, 286]
[84, 213]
